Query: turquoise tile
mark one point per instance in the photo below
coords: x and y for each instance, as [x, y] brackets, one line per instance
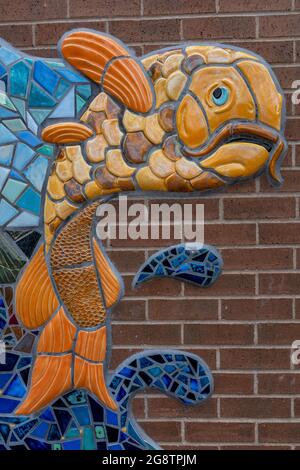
[6, 153]
[23, 155]
[46, 150]
[13, 189]
[36, 172]
[25, 219]
[40, 115]
[19, 75]
[20, 105]
[30, 200]
[45, 77]
[7, 212]
[84, 91]
[79, 103]
[66, 108]
[39, 98]
[7, 56]
[4, 172]
[61, 89]
[6, 137]
[5, 101]
[15, 125]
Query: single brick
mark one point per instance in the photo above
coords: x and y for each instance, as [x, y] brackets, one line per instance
[279, 383]
[182, 309]
[279, 432]
[32, 10]
[259, 208]
[231, 383]
[215, 28]
[50, 33]
[253, 5]
[219, 334]
[278, 333]
[279, 233]
[161, 407]
[104, 8]
[257, 309]
[255, 358]
[253, 258]
[146, 30]
[255, 408]
[219, 432]
[227, 284]
[146, 334]
[169, 7]
[276, 26]
[279, 283]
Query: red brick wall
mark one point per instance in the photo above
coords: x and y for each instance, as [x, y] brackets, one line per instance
[244, 325]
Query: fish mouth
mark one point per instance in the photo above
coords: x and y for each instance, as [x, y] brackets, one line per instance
[251, 133]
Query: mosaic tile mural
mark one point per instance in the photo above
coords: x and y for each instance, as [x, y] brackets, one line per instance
[73, 132]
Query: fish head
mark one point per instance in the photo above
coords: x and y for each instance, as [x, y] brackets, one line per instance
[230, 120]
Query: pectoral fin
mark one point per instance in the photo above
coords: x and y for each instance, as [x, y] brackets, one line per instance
[66, 133]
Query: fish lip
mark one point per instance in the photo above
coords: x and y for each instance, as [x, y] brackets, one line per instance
[251, 132]
[235, 132]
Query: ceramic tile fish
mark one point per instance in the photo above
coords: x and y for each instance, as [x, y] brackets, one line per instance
[191, 118]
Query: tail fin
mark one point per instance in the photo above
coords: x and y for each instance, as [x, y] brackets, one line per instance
[90, 352]
[51, 373]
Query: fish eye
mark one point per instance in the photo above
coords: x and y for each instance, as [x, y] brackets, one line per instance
[220, 95]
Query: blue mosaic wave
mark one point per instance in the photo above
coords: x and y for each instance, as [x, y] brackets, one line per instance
[189, 262]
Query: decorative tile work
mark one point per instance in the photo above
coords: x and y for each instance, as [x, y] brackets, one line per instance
[181, 120]
[33, 91]
[197, 264]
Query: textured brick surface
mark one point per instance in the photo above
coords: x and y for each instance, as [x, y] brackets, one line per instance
[243, 326]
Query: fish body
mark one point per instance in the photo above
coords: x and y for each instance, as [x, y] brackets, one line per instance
[192, 118]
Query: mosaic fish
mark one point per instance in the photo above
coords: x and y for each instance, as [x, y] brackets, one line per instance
[191, 118]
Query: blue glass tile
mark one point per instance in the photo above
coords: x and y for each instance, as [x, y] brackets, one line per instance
[40, 431]
[127, 372]
[45, 77]
[32, 125]
[4, 431]
[23, 362]
[4, 172]
[79, 103]
[7, 405]
[6, 113]
[7, 212]
[4, 378]
[54, 433]
[39, 98]
[71, 76]
[13, 189]
[33, 444]
[6, 153]
[23, 155]
[19, 75]
[66, 108]
[82, 415]
[6, 137]
[47, 415]
[29, 138]
[25, 219]
[7, 56]
[2, 70]
[5, 101]
[36, 172]
[30, 200]
[111, 418]
[15, 389]
[72, 445]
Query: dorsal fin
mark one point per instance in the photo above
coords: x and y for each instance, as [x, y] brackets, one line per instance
[107, 62]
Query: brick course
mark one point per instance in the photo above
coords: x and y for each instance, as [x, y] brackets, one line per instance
[244, 325]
